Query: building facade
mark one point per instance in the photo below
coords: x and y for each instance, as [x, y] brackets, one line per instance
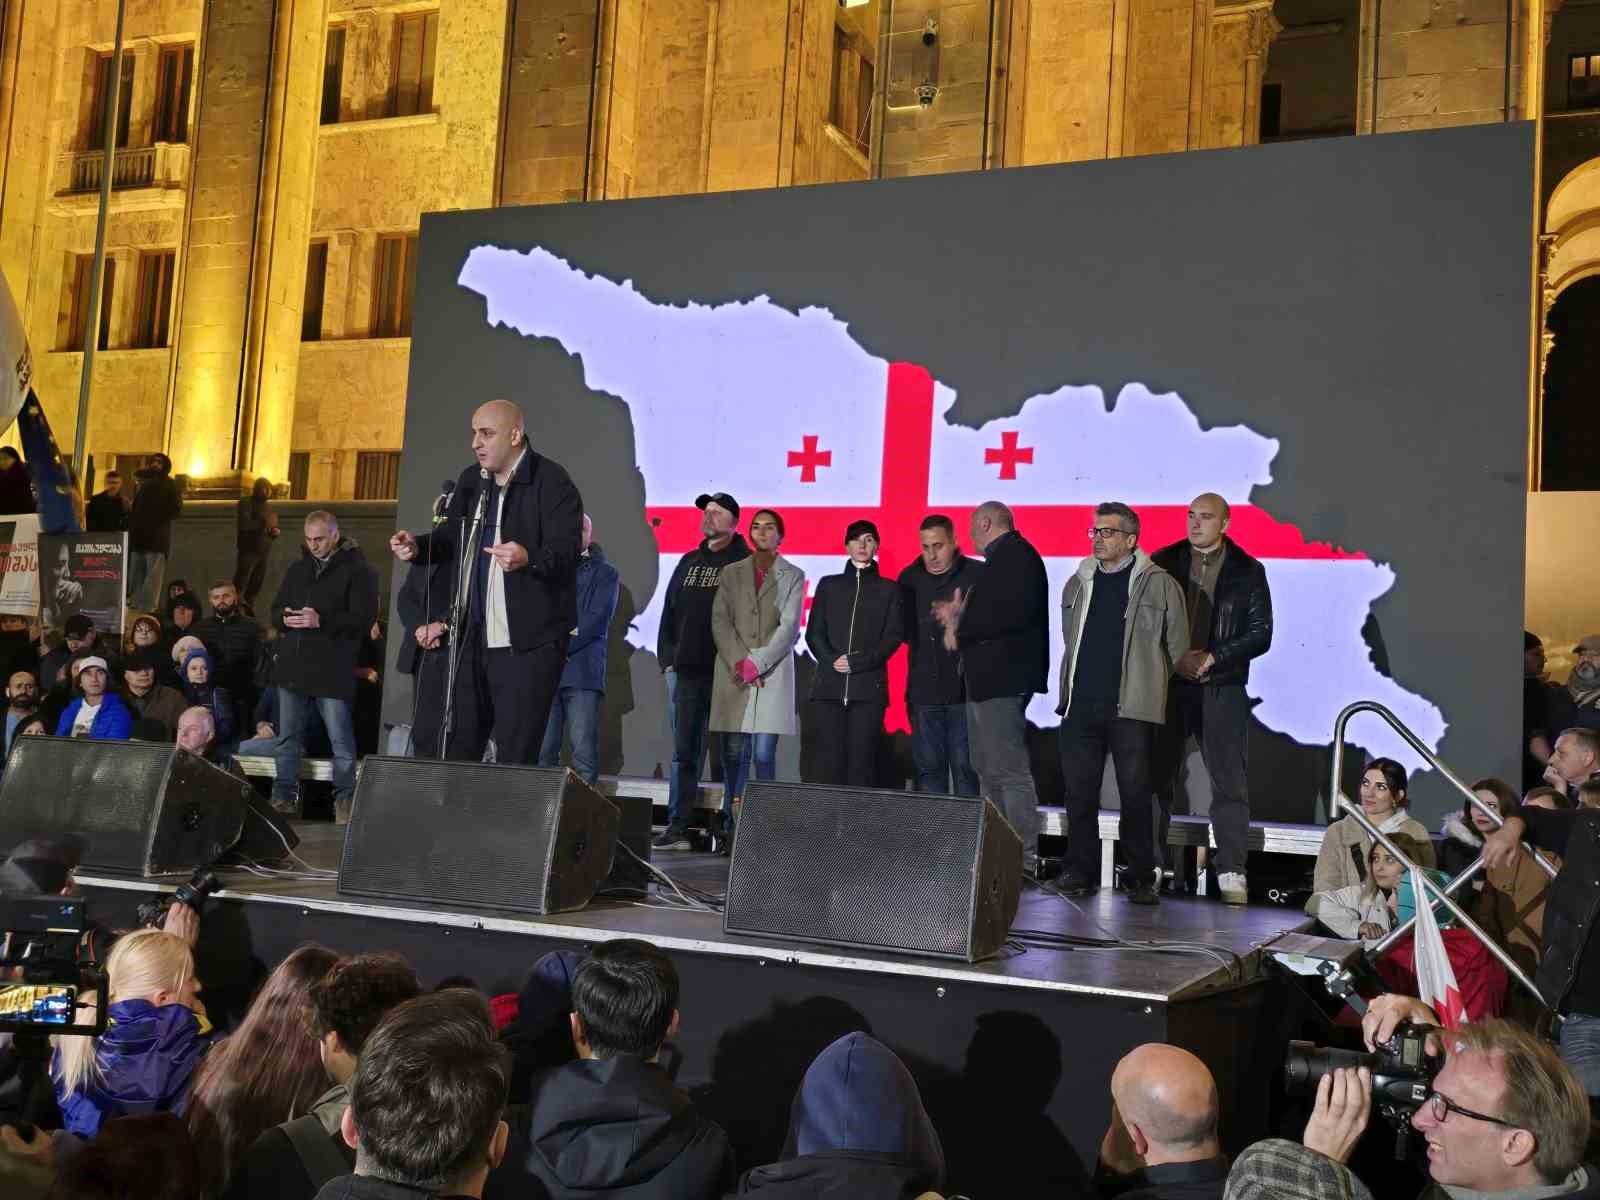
[274, 157]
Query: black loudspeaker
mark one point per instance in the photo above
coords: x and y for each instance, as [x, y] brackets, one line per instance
[630, 878]
[145, 808]
[522, 839]
[926, 874]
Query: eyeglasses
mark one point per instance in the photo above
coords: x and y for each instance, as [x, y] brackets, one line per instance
[1442, 1106]
[1105, 531]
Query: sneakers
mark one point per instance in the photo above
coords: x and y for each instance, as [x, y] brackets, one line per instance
[1143, 892]
[1075, 885]
[671, 838]
[1233, 887]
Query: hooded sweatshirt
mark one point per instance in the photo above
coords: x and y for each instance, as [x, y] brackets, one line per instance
[685, 643]
[541, 1036]
[617, 1127]
[857, 1129]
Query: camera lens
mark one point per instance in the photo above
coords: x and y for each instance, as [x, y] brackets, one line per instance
[1306, 1063]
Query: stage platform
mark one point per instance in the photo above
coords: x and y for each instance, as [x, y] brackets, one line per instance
[1014, 1054]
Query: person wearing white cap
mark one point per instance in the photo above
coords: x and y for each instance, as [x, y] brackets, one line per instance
[95, 712]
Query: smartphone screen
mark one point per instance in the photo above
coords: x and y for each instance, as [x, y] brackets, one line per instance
[40, 1004]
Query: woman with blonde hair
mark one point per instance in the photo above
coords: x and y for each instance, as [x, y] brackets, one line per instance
[156, 1034]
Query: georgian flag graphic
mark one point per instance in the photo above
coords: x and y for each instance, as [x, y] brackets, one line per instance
[812, 424]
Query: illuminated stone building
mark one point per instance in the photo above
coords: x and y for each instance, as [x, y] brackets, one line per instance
[274, 157]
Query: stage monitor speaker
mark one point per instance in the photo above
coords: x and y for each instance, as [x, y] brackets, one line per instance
[142, 808]
[630, 877]
[521, 839]
[882, 870]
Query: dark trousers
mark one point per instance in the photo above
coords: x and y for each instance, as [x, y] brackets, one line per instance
[939, 750]
[847, 737]
[1218, 717]
[504, 694]
[248, 574]
[427, 702]
[691, 713]
[1091, 730]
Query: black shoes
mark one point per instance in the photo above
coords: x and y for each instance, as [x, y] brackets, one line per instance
[1075, 886]
[1143, 892]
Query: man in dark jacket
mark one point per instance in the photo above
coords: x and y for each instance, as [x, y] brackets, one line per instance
[145, 696]
[935, 691]
[81, 637]
[688, 654]
[612, 1123]
[324, 608]
[522, 519]
[857, 1128]
[105, 512]
[423, 606]
[156, 506]
[857, 622]
[1230, 622]
[576, 710]
[234, 640]
[1002, 627]
[257, 529]
[1162, 1142]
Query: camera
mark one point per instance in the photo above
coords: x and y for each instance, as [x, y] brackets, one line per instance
[930, 32]
[1402, 1070]
[193, 893]
[42, 974]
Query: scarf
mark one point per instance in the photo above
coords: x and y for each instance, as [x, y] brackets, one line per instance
[1584, 688]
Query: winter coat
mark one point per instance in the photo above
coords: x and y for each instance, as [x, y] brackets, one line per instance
[543, 513]
[146, 1059]
[156, 505]
[105, 514]
[616, 1127]
[684, 642]
[160, 703]
[933, 675]
[1241, 608]
[1004, 633]
[597, 604]
[112, 723]
[857, 1128]
[235, 645]
[1155, 634]
[860, 614]
[763, 627]
[344, 591]
[1569, 973]
[1344, 910]
[1342, 858]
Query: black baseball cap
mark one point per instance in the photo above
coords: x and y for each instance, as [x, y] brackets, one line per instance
[77, 625]
[857, 528]
[143, 658]
[721, 500]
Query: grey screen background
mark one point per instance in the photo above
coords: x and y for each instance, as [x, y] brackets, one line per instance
[1363, 299]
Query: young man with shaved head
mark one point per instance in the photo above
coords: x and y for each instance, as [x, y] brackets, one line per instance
[1162, 1140]
[1230, 623]
[509, 546]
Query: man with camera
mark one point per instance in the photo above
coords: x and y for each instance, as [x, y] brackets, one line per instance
[1504, 1117]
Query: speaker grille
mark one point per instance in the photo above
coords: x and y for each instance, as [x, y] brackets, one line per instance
[860, 868]
[491, 836]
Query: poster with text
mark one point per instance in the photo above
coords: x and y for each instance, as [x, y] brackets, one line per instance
[83, 573]
[19, 565]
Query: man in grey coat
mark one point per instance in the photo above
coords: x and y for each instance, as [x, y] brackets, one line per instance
[1124, 624]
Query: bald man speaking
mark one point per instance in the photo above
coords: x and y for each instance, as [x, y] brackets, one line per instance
[508, 547]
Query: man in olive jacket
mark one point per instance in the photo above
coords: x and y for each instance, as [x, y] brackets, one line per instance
[1125, 626]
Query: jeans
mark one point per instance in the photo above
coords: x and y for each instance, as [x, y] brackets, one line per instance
[576, 711]
[290, 748]
[691, 700]
[147, 570]
[738, 749]
[1218, 717]
[1580, 1049]
[258, 748]
[1091, 730]
[998, 732]
[939, 750]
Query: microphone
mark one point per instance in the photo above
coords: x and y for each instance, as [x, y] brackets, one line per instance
[442, 502]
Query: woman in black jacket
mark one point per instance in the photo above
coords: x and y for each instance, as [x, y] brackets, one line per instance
[857, 623]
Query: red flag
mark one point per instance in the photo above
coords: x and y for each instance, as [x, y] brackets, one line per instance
[1436, 978]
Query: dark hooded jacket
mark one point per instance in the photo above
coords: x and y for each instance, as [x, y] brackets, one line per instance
[156, 505]
[541, 1036]
[857, 1130]
[597, 604]
[618, 1128]
[684, 642]
[344, 591]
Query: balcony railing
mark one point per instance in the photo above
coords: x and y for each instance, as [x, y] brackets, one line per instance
[129, 169]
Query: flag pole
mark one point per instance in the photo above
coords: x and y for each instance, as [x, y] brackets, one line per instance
[91, 333]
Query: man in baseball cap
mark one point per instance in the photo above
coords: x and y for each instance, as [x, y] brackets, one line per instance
[1579, 704]
[96, 712]
[81, 638]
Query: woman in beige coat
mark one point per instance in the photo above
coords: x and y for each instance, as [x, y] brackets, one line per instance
[755, 621]
[1342, 861]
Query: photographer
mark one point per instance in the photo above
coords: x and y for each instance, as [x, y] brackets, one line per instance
[1504, 1117]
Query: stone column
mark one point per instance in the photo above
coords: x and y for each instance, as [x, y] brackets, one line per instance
[1241, 35]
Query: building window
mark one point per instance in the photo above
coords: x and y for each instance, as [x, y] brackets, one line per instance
[1271, 111]
[333, 75]
[174, 82]
[299, 474]
[74, 320]
[397, 279]
[152, 320]
[1583, 81]
[377, 475]
[95, 127]
[851, 107]
[316, 289]
[416, 37]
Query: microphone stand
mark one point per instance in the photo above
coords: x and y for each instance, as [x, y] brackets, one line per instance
[466, 570]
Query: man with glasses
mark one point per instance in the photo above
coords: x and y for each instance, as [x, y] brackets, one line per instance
[1125, 627]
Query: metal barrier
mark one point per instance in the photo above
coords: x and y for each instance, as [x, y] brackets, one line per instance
[1444, 894]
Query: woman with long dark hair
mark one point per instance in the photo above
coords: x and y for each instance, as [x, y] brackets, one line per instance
[1342, 860]
[268, 1071]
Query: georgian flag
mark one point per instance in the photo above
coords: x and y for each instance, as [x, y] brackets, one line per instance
[1436, 979]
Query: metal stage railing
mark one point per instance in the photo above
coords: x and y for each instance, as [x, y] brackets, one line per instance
[1445, 894]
